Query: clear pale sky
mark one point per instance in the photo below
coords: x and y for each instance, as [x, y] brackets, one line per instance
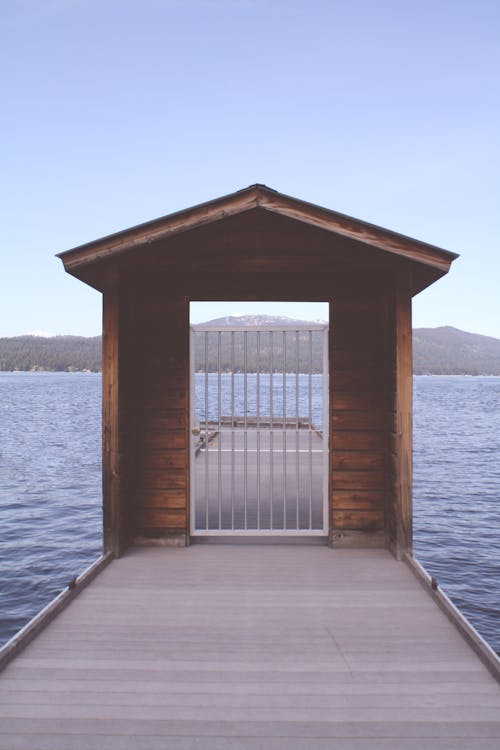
[115, 112]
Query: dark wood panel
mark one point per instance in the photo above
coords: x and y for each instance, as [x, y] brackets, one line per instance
[358, 480]
[166, 499]
[166, 479]
[359, 440]
[358, 335]
[171, 459]
[359, 420]
[368, 359]
[162, 396]
[358, 500]
[162, 518]
[161, 373]
[165, 441]
[158, 406]
[355, 459]
[358, 380]
[162, 419]
[362, 520]
[360, 401]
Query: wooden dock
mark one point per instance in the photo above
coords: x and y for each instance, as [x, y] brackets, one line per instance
[242, 646]
[261, 480]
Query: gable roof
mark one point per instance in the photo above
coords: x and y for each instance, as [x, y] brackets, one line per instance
[265, 199]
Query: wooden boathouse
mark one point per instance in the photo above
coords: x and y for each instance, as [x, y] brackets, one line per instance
[245, 646]
[256, 244]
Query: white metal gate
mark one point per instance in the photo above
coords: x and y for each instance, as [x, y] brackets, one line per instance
[259, 419]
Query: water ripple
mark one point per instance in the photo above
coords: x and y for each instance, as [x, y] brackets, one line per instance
[50, 489]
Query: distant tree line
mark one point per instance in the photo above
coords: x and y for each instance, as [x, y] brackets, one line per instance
[437, 351]
[54, 353]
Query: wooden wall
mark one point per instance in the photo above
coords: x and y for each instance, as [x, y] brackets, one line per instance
[157, 437]
[360, 415]
[148, 468]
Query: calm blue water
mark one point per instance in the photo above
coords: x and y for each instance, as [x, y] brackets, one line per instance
[457, 492]
[303, 395]
[50, 488]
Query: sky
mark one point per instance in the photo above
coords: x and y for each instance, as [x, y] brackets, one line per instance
[116, 112]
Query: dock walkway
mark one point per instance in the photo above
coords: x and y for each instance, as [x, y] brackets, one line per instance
[245, 647]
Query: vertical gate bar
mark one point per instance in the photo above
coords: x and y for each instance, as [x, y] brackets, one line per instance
[206, 430]
[258, 430]
[192, 423]
[271, 436]
[245, 436]
[232, 430]
[219, 441]
[326, 427]
[284, 430]
[310, 428]
[297, 453]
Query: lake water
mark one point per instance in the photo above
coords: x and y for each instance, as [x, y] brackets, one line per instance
[50, 489]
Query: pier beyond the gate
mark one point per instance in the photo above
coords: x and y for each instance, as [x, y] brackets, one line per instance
[250, 646]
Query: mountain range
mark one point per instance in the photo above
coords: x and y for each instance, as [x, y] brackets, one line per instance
[436, 351]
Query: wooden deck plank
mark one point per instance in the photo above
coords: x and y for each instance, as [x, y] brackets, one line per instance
[365, 690]
[242, 698]
[161, 742]
[96, 728]
[250, 646]
[239, 714]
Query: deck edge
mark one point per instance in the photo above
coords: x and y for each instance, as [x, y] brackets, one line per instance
[482, 649]
[23, 637]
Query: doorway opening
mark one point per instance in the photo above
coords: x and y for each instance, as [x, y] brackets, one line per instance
[259, 425]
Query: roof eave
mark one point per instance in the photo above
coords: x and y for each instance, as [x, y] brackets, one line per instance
[256, 196]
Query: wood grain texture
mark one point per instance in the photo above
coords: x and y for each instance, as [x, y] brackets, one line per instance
[113, 511]
[361, 403]
[158, 420]
[400, 505]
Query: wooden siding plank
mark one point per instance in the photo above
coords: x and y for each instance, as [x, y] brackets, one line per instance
[168, 441]
[360, 420]
[360, 460]
[359, 380]
[359, 520]
[162, 498]
[170, 459]
[360, 400]
[358, 499]
[359, 480]
[160, 419]
[163, 479]
[162, 518]
[359, 441]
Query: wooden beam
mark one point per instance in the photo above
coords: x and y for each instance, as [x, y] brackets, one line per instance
[402, 486]
[113, 521]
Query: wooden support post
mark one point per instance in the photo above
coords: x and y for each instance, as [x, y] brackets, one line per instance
[111, 463]
[402, 487]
